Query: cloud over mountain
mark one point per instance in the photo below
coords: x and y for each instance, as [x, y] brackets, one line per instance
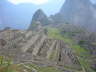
[37, 2]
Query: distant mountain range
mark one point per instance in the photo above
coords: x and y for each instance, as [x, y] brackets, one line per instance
[77, 12]
[19, 16]
[39, 18]
[16, 16]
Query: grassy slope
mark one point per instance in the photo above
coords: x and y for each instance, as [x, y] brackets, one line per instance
[55, 33]
[44, 69]
[80, 52]
[8, 66]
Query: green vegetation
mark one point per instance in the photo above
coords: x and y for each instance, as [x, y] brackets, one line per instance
[55, 33]
[53, 55]
[44, 69]
[94, 43]
[34, 25]
[48, 69]
[7, 66]
[1, 60]
[81, 42]
[79, 51]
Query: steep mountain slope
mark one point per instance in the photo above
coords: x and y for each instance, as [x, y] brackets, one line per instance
[19, 16]
[39, 18]
[78, 12]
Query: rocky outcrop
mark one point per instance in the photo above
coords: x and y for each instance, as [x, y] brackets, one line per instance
[39, 19]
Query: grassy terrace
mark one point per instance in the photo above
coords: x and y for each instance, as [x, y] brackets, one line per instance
[55, 33]
[7, 66]
[80, 52]
[44, 69]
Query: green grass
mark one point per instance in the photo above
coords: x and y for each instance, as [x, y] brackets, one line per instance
[53, 55]
[79, 51]
[48, 69]
[55, 33]
[5, 65]
[44, 69]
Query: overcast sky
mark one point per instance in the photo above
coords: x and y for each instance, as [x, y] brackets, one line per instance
[37, 2]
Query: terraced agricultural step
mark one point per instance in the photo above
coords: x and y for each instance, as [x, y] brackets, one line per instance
[29, 43]
[45, 47]
[28, 35]
[49, 52]
[67, 58]
[26, 68]
[55, 55]
[37, 48]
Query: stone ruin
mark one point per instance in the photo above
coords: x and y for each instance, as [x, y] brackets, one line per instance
[26, 46]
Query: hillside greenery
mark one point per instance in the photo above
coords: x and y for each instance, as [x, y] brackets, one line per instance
[8, 66]
[81, 52]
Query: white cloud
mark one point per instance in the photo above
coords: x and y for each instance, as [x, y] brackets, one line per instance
[37, 2]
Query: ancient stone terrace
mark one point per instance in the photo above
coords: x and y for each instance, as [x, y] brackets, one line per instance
[26, 46]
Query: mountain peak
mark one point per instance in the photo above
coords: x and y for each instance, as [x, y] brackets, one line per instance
[39, 18]
[39, 10]
[69, 4]
[77, 12]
